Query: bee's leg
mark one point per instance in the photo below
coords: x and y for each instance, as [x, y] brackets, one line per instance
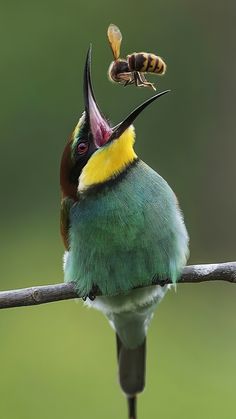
[128, 82]
[141, 81]
[145, 82]
[125, 78]
[137, 79]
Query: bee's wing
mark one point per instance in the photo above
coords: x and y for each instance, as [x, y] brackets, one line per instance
[114, 38]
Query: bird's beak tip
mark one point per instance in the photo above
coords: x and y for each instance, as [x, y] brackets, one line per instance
[120, 128]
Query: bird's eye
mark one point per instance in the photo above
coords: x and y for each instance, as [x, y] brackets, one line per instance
[82, 148]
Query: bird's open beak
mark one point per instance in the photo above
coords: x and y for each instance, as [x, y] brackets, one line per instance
[101, 131]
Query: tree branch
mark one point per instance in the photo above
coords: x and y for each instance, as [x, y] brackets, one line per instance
[50, 293]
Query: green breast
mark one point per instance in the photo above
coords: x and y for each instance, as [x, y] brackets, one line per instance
[126, 233]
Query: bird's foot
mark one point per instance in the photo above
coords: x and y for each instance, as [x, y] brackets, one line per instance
[92, 293]
[163, 282]
[160, 281]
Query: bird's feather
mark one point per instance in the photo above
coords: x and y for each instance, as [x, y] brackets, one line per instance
[66, 204]
[126, 234]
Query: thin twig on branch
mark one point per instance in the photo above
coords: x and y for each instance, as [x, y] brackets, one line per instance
[49, 293]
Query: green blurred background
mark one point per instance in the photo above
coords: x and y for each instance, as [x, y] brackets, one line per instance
[58, 360]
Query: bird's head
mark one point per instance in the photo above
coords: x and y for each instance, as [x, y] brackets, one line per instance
[96, 151]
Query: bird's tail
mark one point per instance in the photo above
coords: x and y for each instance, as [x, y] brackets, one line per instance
[132, 365]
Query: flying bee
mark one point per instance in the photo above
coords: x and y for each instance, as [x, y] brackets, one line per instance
[132, 69]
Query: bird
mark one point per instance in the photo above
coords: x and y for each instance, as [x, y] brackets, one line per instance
[122, 228]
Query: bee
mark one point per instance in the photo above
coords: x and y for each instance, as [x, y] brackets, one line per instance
[132, 69]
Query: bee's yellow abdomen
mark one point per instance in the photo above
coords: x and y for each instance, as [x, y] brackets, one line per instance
[146, 63]
[160, 66]
[152, 60]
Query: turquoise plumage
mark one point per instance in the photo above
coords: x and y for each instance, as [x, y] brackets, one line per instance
[125, 234]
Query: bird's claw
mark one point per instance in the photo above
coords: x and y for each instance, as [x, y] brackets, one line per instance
[92, 293]
[163, 282]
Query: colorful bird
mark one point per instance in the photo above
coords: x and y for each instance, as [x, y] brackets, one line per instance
[122, 228]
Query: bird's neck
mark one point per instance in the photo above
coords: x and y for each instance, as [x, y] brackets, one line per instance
[109, 161]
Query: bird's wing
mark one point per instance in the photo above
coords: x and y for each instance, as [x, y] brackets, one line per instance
[66, 205]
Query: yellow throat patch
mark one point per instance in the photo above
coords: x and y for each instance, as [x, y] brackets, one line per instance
[109, 160]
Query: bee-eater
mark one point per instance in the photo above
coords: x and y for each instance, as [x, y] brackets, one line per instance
[122, 228]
